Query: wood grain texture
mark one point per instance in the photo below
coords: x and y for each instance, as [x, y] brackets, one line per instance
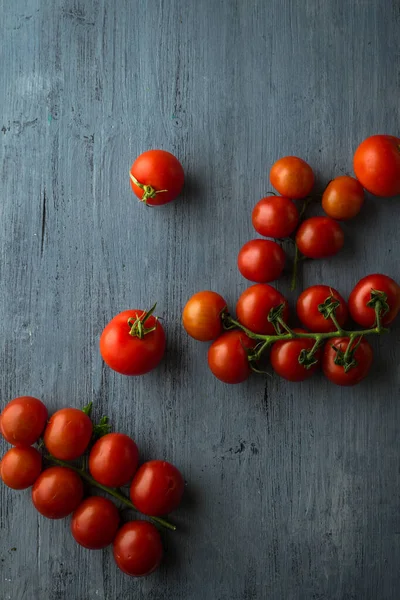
[293, 490]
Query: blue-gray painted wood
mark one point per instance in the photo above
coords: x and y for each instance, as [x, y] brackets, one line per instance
[293, 490]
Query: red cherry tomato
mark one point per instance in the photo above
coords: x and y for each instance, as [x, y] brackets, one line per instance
[319, 237]
[261, 260]
[138, 548]
[20, 467]
[377, 165]
[254, 305]
[292, 177]
[360, 296]
[201, 316]
[227, 357]
[114, 459]
[95, 522]
[23, 420]
[308, 313]
[285, 355]
[130, 346]
[275, 217]
[157, 177]
[335, 372]
[68, 433]
[157, 488]
[57, 492]
[343, 198]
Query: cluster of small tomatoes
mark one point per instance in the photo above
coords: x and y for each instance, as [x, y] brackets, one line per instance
[155, 488]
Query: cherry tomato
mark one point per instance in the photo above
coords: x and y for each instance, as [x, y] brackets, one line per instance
[57, 492]
[343, 198]
[157, 488]
[285, 355]
[308, 313]
[159, 177]
[132, 343]
[20, 467]
[95, 523]
[319, 237]
[201, 316]
[275, 217]
[254, 305]
[261, 260]
[365, 315]
[335, 372]
[114, 459]
[68, 433]
[138, 548]
[23, 420]
[227, 357]
[377, 165]
[292, 177]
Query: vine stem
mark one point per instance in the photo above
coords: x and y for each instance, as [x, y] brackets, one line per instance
[116, 494]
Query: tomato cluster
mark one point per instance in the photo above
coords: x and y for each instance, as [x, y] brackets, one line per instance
[155, 487]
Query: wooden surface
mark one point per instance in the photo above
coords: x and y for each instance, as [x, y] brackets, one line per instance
[293, 490]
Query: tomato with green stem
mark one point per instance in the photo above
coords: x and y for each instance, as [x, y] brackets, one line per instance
[20, 467]
[156, 177]
[347, 361]
[319, 237]
[157, 488]
[114, 459]
[57, 492]
[23, 420]
[255, 304]
[68, 433]
[295, 359]
[343, 198]
[316, 303]
[228, 357]
[138, 549]
[95, 523]
[292, 177]
[367, 292]
[261, 260]
[275, 217]
[377, 165]
[202, 315]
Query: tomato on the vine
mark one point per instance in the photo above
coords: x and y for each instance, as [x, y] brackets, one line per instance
[68, 433]
[228, 358]
[57, 492]
[285, 356]
[275, 217]
[157, 488]
[261, 260]
[319, 237]
[364, 293]
[201, 315]
[308, 313]
[334, 351]
[255, 304]
[23, 420]
[114, 459]
[157, 177]
[20, 467]
[133, 342]
[95, 523]
[343, 198]
[377, 165]
[138, 548]
[292, 177]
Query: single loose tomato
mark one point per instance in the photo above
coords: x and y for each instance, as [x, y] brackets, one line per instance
[292, 177]
[362, 297]
[157, 488]
[377, 165]
[255, 304]
[319, 237]
[133, 342]
[57, 492]
[157, 177]
[332, 358]
[114, 459]
[288, 358]
[68, 433]
[314, 297]
[201, 316]
[261, 260]
[228, 359]
[23, 420]
[95, 523]
[138, 548]
[343, 198]
[20, 467]
[275, 217]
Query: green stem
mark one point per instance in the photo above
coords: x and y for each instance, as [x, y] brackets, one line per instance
[121, 497]
[335, 322]
[378, 309]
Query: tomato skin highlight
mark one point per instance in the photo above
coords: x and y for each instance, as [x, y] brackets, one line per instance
[361, 294]
[201, 316]
[95, 523]
[57, 492]
[377, 165]
[162, 171]
[157, 488]
[261, 260]
[23, 420]
[20, 467]
[138, 548]
[285, 354]
[319, 237]
[227, 357]
[336, 373]
[254, 305]
[309, 315]
[292, 177]
[275, 217]
[343, 198]
[114, 459]
[68, 433]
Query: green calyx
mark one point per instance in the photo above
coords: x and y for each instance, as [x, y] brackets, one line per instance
[137, 325]
[148, 190]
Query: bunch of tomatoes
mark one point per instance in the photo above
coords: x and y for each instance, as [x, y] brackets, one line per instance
[155, 488]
